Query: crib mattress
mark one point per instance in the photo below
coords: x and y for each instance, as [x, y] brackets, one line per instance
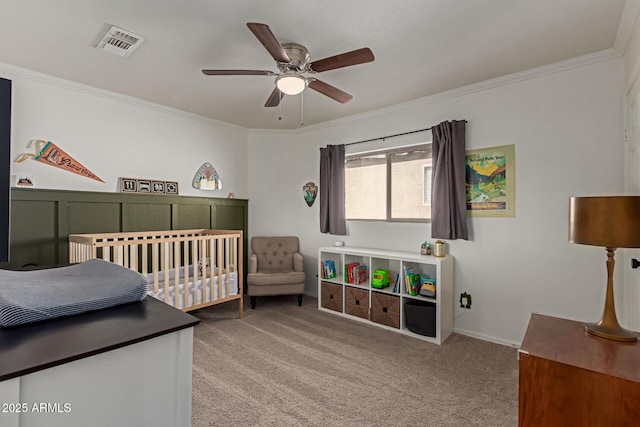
[194, 294]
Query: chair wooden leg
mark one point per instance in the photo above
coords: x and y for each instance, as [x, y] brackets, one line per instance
[299, 300]
[253, 302]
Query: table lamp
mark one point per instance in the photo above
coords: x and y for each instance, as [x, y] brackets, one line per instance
[612, 222]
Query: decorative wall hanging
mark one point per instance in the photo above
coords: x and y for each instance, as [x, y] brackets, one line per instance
[23, 181]
[50, 154]
[148, 186]
[310, 191]
[490, 179]
[206, 178]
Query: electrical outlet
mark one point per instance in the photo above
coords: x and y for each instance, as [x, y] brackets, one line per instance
[465, 300]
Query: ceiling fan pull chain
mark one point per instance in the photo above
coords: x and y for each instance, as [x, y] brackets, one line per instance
[302, 108]
[280, 95]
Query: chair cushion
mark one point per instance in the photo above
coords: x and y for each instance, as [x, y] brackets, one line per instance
[276, 278]
[275, 254]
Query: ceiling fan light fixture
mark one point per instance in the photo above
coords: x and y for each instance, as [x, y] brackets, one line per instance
[291, 83]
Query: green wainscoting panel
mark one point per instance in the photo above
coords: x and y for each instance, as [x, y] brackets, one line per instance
[41, 220]
[146, 216]
[96, 217]
[229, 217]
[33, 232]
[193, 216]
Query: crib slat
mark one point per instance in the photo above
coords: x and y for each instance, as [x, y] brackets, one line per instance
[176, 275]
[221, 268]
[144, 262]
[227, 282]
[188, 293]
[117, 258]
[125, 254]
[106, 254]
[212, 268]
[133, 257]
[198, 259]
[189, 246]
[155, 256]
[165, 268]
[240, 276]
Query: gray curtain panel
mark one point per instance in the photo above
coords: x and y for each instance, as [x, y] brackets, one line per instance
[448, 199]
[332, 210]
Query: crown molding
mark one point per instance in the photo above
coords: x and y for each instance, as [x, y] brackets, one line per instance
[604, 55]
[628, 19]
[265, 131]
[533, 73]
[15, 72]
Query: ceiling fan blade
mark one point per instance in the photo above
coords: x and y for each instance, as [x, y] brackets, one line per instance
[331, 91]
[274, 98]
[355, 57]
[268, 40]
[238, 73]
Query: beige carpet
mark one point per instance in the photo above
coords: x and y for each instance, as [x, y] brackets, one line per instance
[284, 365]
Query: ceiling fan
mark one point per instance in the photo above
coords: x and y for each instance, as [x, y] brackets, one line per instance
[292, 60]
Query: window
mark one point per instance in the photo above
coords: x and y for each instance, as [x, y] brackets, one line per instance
[389, 185]
[366, 186]
[426, 175]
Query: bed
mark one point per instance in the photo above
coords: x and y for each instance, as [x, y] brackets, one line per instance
[188, 269]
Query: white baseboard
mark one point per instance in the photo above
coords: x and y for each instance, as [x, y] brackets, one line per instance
[465, 332]
[487, 338]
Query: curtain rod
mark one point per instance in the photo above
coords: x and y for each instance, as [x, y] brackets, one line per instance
[393, 136]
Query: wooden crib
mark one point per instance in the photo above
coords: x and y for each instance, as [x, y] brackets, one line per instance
[188, 269]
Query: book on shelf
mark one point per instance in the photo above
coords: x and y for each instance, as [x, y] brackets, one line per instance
[412, 281]
[396, 284]
[348, 271]
[328, 269]
[360, 274]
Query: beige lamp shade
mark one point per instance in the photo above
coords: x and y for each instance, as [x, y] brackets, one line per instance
[609, 221]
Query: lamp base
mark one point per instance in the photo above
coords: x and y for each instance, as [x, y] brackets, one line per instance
[618, 334]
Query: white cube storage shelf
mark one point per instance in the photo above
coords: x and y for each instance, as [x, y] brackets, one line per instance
[385, 307]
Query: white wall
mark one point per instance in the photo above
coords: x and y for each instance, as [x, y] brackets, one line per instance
[566, 124]
[631, 290]
[117, 136]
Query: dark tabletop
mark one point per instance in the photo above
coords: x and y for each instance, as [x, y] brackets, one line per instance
[30, 348]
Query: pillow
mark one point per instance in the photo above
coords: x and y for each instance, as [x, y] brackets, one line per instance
[32, 296]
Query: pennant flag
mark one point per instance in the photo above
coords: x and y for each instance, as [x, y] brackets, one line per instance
[51, 154]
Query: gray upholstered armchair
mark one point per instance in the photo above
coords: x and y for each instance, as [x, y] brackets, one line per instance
[275, 268]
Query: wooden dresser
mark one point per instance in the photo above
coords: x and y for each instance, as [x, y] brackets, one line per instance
[570, 377]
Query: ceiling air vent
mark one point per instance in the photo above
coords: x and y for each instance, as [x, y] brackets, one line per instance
[120, 42]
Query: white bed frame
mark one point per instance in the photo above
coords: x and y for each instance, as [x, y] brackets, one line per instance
[155, 253]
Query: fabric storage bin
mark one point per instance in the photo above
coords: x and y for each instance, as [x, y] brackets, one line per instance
[331, 296]
[420, 317]
[385, 309]
[356, 302]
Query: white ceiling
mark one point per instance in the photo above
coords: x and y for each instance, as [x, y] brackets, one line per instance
[421, 47]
